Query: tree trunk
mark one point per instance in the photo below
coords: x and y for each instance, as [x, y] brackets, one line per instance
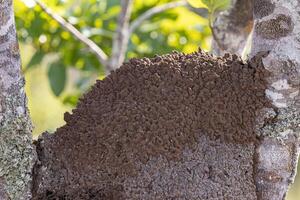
[232, 28]
[17, 153]
[276, 37]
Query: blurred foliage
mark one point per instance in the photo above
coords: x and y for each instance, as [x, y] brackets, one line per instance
[175, 29]
[46, 109]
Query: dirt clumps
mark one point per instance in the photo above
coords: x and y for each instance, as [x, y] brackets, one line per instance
[157, 109]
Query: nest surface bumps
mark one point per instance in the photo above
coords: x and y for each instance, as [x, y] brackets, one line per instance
[152, 108]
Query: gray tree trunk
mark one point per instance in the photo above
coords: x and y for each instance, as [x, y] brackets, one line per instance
[276, 37]
[16, 150]
[232, 28]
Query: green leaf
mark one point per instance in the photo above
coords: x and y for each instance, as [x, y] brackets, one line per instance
[197, 4]
[35, 59]
[71, 100]
[111, 3]
[216, 5]
[222, 5]
[57, 77]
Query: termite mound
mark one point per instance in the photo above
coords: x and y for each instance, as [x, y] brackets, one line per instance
[172, 127]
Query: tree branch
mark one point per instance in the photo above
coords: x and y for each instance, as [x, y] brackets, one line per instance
[125, 29]
[153, 11]
[121, 37]
[93, 47]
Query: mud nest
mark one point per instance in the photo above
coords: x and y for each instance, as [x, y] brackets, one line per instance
[148, 109]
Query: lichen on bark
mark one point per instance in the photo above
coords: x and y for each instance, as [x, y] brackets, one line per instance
[17, 153]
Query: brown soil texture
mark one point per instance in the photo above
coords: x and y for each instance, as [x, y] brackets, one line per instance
[155, 111]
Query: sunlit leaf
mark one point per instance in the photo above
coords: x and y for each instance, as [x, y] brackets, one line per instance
[57, 77]
[222, 5]
[216, 5]
[197, 3]
[71, 99]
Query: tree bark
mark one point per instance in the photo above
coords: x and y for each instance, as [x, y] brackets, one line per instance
[232, 28]
[276, 36]
[17, 153]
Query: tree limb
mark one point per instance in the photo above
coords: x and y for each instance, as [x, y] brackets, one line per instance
[121, 37]
[93, 47]
[153, 11]
[125, 29]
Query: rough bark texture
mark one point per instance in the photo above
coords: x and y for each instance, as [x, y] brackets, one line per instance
[173, 127]
[16, 151]
[276, 36]
[232, 28]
